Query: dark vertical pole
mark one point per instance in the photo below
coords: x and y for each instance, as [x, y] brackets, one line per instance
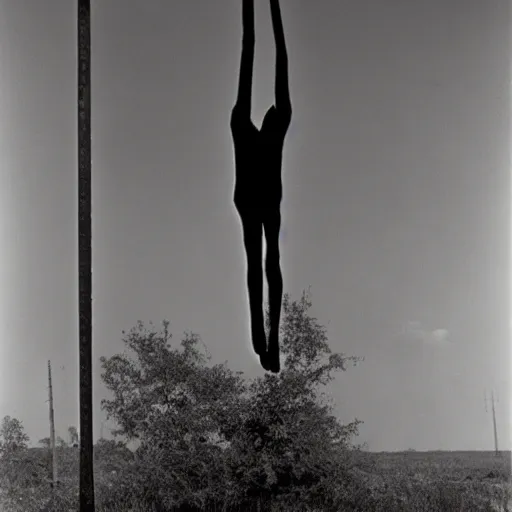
[85, 255]
[494, 425]
[52, 428]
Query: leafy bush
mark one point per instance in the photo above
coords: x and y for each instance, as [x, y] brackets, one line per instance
[208, 436]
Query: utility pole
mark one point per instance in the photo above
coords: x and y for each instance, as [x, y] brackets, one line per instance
[494, 424]
[52, 428]
[85, 254]
[493, 410]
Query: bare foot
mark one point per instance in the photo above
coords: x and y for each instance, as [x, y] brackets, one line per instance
[259, 343]
[264, 361]
[270, 359]
[273, 357]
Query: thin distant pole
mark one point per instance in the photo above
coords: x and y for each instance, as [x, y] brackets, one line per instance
[52, 427]
[493, 410]
[494, 425]
[84, 255]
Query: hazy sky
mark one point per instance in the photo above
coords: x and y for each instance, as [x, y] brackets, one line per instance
[396, 199]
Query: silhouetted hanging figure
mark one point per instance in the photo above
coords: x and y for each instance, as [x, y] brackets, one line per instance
[258, 186]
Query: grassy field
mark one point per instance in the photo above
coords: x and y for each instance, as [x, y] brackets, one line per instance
[431, 481]
[383, 482]
[453, 466]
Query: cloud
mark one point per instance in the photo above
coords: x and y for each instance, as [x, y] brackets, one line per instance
[440, 335]
[416, 332]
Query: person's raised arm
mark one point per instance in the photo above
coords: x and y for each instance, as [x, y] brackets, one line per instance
[282, 91]
[243, 101]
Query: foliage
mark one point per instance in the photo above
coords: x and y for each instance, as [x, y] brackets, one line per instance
[304, 344]
[286, 440]
[45, 442]
[165, 394]
[23, 470]
[12, 436]
[73, 436]
[61, 443]
[371, 482]
[209, 436]
[175, 405]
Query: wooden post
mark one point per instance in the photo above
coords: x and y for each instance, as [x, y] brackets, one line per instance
[493, 410]
[84, 254]
[494, 425]
[53, 446]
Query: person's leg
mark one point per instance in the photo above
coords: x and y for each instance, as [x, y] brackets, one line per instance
[243, 100]
[252, 232]
[272, 225]
[282, 92]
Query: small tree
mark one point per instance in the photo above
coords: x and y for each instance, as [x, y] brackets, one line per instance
[73, 436]
[14, 471]
[12, 436]
[45, 442]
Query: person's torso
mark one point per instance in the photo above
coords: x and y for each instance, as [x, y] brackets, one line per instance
[258, 159]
